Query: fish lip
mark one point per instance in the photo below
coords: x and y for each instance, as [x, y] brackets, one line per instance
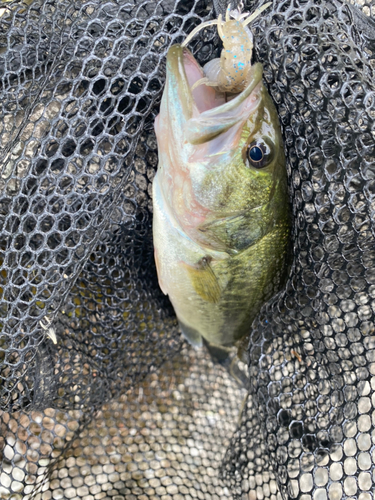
[176, 73]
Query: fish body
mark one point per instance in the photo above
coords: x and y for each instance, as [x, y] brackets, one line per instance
[221, 222]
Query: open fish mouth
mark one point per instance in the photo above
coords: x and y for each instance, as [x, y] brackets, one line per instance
[205, 97]
[207, 113]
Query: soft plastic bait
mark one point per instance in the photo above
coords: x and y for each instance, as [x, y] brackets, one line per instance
[230, 72]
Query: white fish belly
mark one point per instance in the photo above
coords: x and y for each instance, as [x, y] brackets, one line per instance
[173, 248]
[217, 322]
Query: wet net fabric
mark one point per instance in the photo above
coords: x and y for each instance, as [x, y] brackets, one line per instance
[121, 407]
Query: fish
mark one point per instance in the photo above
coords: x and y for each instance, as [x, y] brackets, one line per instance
[221, 220]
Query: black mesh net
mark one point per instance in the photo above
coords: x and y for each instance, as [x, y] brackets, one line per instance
[121, 407]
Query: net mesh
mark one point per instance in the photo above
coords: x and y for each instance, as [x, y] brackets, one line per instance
[121, 407]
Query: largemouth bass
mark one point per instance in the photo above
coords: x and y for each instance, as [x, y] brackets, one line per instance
[221, 221]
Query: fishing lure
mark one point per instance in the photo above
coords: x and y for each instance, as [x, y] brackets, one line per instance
[230, 72]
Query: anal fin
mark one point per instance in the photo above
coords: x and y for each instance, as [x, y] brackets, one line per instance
[224, 356]
[191, 335]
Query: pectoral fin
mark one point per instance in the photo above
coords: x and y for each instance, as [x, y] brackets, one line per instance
[204, 280]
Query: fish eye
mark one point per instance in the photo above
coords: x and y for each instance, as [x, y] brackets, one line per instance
[259, 154]
[256, 154]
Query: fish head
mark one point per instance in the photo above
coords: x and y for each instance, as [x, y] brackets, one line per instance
[221, 157]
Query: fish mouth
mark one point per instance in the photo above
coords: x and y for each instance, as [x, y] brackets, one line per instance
[204, 96]
[206, 110]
